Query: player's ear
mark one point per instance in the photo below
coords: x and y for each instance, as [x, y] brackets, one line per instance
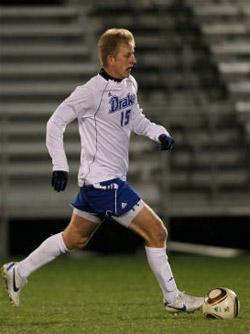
[110, 59]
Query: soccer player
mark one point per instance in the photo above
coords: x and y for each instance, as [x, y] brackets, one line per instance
[107, 111]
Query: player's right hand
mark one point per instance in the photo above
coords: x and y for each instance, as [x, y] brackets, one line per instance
[59, 180]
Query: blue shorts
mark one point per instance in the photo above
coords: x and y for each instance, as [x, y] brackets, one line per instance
[108, 198]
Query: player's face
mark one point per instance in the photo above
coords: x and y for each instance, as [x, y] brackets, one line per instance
[122, 63]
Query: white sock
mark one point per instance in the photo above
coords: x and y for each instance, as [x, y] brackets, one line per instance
[46, 252]
[158, 262]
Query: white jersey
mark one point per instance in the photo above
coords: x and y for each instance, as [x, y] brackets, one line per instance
[107, 111]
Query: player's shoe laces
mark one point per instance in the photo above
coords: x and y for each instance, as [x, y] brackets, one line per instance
[184, 303]
[13, 282]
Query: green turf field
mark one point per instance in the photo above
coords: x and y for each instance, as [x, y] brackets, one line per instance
[118, 294]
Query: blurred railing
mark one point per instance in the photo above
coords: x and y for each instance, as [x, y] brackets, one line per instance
[4, 212]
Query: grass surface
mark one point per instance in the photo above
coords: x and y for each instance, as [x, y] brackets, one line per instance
[118, 294]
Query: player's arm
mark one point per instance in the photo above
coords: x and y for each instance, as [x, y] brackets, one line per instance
[143, 126]
[56, 126]
[75, 106]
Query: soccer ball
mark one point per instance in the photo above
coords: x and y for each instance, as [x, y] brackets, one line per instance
[221, 303]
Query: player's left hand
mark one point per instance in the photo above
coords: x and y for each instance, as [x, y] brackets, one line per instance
[166, 142]
[59, 180]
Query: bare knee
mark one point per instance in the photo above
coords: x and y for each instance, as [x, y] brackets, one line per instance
[82, 242]
[158, 236]
[162, 234]
[150, 227]
[78, 233]
[75, 241]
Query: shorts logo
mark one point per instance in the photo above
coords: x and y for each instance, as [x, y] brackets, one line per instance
[118, 104]
[124, 205]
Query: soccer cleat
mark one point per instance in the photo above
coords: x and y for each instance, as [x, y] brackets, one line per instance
[184, 303]
[13, 282]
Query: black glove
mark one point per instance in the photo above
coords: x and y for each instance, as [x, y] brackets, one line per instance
[59, 180]
[166, 142]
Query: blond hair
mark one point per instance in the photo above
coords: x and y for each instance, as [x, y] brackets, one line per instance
[110, 41]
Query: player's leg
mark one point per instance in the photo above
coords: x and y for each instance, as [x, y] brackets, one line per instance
[80, 229]
[76, 235]
[150, 227]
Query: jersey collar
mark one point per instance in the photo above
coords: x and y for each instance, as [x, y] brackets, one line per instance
[106, 76]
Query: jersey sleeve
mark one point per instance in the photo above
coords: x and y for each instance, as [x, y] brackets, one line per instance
[141, 125]
[71, 108]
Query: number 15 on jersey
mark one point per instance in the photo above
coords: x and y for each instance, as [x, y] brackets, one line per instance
[125, 116]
